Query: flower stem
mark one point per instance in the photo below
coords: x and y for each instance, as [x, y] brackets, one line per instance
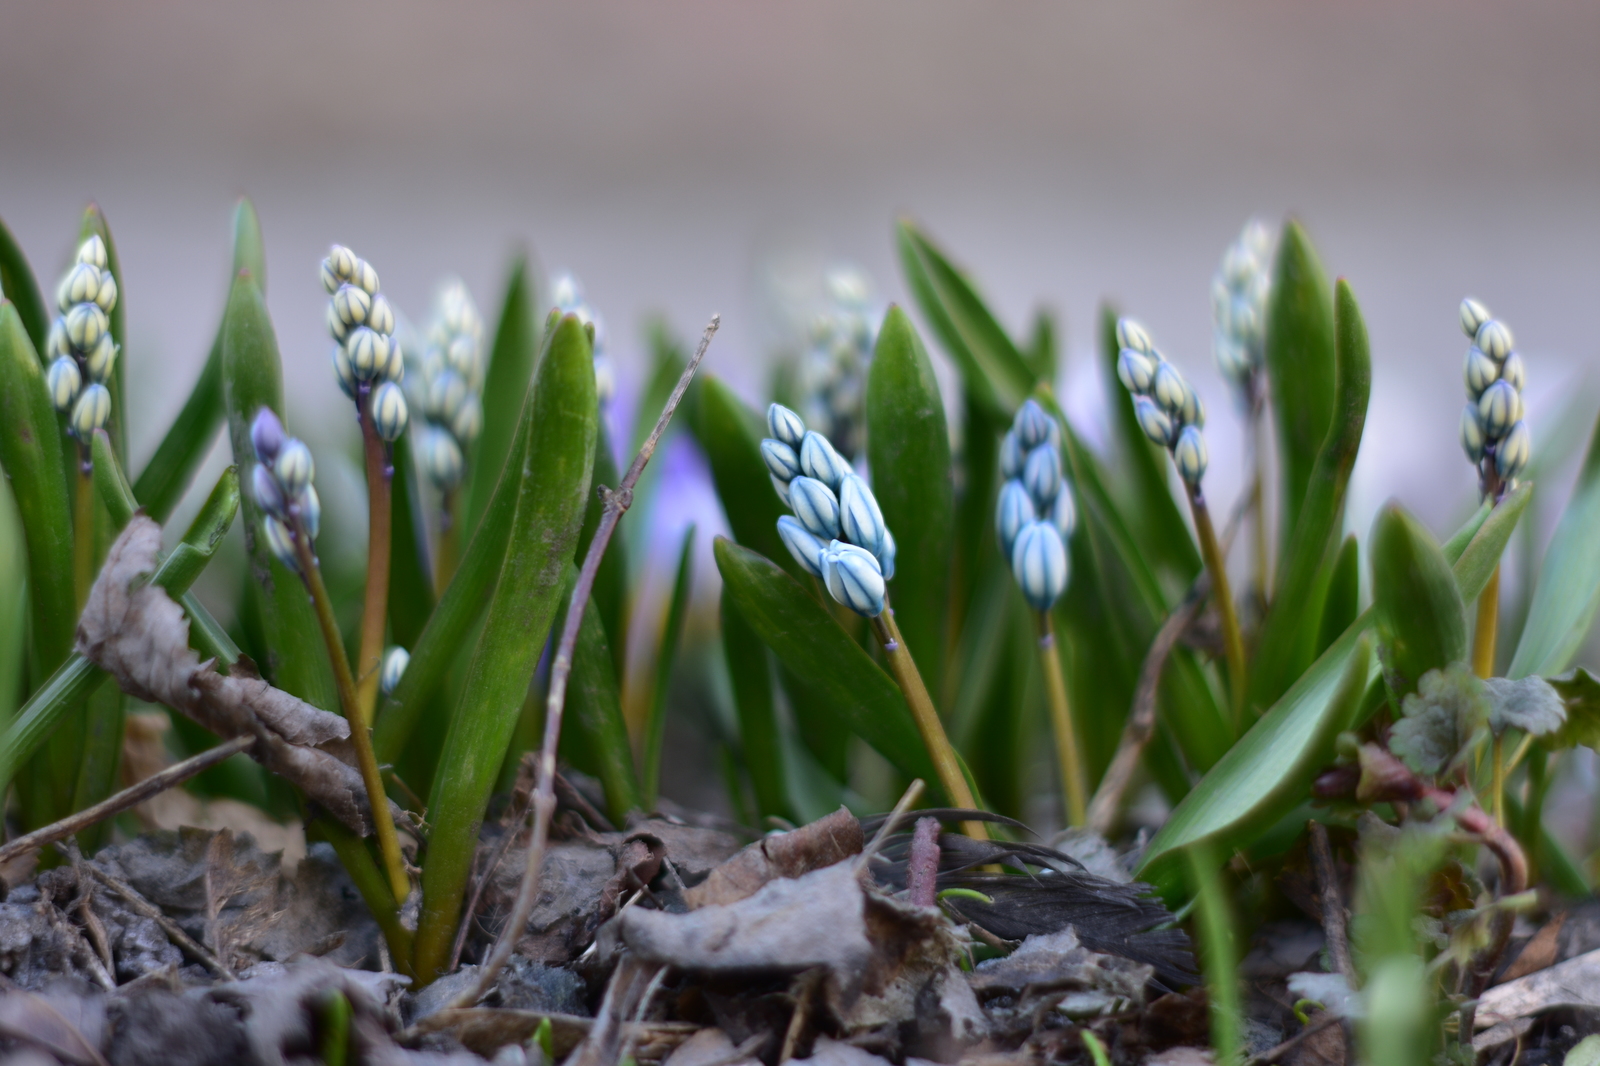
[375, 610]
[83, 531]
[1483, 635]
[1497, 786]
[945, 762]
[1232, 641]
[360, 734]
[1074, 779]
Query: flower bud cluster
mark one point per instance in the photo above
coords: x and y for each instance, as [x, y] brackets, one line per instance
[366, 356]
[80, 347]
[837, 532]
[1035, 516]
[1493, 434]
[1168, 408]
[567, 293]
[833, 375]
[1239, 305]
[449, 386]
[281, 484]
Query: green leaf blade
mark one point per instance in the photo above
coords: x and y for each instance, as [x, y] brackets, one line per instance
[1421, 616]
[730, 435]
[511, 366]
[18, 284]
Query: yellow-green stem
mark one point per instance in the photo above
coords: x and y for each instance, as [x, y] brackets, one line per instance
[360, 735]
[945, 762]
[1074, 779]
[1483, 634]
[375, 610]
[83, 532]
[1222, 596]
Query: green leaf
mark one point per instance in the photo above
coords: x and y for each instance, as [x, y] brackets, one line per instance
[655, 729]
[750, 673]
[1529, 704]
[908, 450]
[511, 364]
[165, 478]
[1480, 554]
[611, 583]
[730, 435]
[552, 491]
[1300, 366]
[1289, 634]
[1343, 602]
[94, 222]
[1567, 593]
[1442, 721]
[252, 378]
[978, 491]
[1421, 617]
[410, 583]
[1039, 354]
[18, 285]
[594, 734]
[13, 603]
[1579, 691]
[805, 638]
[996, 374]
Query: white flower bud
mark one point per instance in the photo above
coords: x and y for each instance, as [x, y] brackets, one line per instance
[886, 556]
[860, 518]
[352, 306]
[1015, 510]
[1480, 372]
[804, 545]
[854, 578]
[56, 342]
[63, 380]
[1063, 514]
[1190, 455]
[93, 251]
[1498, 408]
[294, 468]
[1031, 425]
[1194, 412]
[395, 661]
[336, 327]
[781, 488]
[338, 268]
[819, 460]
[101, 359]
[781, 460]
[1471, 433]
[461, 355]
[446, 393]
[1232, 359]
[605, 379]
[380, 316]
[440, 457]
[1473, 316]
[395, 369]
[1039, 563]
[785, 426]
[1130, 334]
[85, 324]
[369, 352]
[1494, 337]
[1169, 390]
[1012, 455]
[280, 542]
[389, 411]
[80, 286]
[91, 411]
[1041, 476]
[1513, 372]
[309, 507]
[816, 506]
[1153, 420]
[1511, 455]
[344, 372]
[468, 422]
[107, 296]
[268, 495]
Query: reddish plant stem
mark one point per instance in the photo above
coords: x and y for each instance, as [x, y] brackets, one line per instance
[922, 866]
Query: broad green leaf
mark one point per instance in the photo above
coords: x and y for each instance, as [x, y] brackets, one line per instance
[18, 285]
[1002, 721]
[552, 491]
[1040, 354]
[821, 731]
[1567, 593]
[1580, 695]
[165, 478]
[1442, 721]
[511, 365]
[667, 362]
[94, 222]
[1529, 704]
[730, 435]
[655, 729]
[977, 491]
[594, 733]
[410, 579]
[997, 375]
[252, 378]
[1421, 617]
[1343, 601]
[13, 603]
[1477, 557]
[1289, 633]
[804, 636]
[1300, 367]
[611, 583]
[1219, 951]
[908, 451]
[761, 743]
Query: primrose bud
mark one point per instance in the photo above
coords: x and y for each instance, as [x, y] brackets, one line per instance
[63, 380]
[816, 506]
[860, 518]
[1471, 433]
[854, 578]
[1513, 372]
[1031, 425]
[395, 661]
[1012, 455]
[1480, 372]
[309, 505]
[1494, 337]
[1190, 455]
[785, 425]
[781, 459]
[1063, 513]
[1473, 316]
[85, 324]
[1041, 476]
[280, 542]
[440, 457]
[1168, 389]
[389, 411]
[819, 460]
[381, 316]
[106, 297]
[1511, 455]
[80, 286]
[1130, 334]
[294, 468]
[264, 487]
[805, 546]
[1039, 563]
[468, 422]
[93, 251]
[1498, 408]
[91, 411]
[1136, 371]
[1153, 420]
[369, 352]
[266, 435]
[1014, 511]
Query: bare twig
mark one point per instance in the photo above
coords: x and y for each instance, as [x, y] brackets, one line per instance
[615, 503]
[1333, 917]
[128, 797]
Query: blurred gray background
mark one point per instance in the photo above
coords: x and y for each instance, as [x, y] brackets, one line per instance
[666, 152]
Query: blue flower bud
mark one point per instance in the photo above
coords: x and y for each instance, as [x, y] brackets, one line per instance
[264, 487]
[446, 393]
[1471, 433]
[101, 358]
[63, 380]
[1153, 420]
[266, 435]
[886, 556]
[381, 316]
[1513, 372]
[468, 422]
[1194, 412]
[781, 459]
[309, 507]
[1480, 372]
[1511, 455]
[280, 542]
[91, 411]
[853, 578]
[389, 412]
[1473, 316]
[1015, 510]
[85, 324]
[294, 468]
[805, 546]
[369, 352]
[1498, 408]
[352, 305]
[1039, 563]
[336, 327]
[1130, 334]
[395, 661]
[1012, 455]
[785, 425]
[819, 460]
[816, 506]
[1041, 476]
[1494, 337]
[781, 488]
[440, 457]
[860, 518]
[1032, 425]
[80, 286]
[344, 372]
[1190, 455]
[1169, 390]
[1136, 371]
[93, 251]
[1063, 513]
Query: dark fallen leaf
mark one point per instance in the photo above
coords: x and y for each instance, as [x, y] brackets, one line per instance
[1538, 953]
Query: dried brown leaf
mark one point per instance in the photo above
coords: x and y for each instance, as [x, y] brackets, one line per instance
[822, 843]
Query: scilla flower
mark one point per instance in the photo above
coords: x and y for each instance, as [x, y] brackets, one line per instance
[1039, 563]
[448, 386]
[567, 294]
[81, 349]
[395, 661]
[1493, 434]
[1239, 306]
[281, 485]
[1166, 406]
[833, 373]
[853, 578]
[1035, 496]
[367, 359]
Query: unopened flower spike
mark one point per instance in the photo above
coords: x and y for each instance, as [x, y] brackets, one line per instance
[833, 371]
[81, 349]
[1036, 494]
[1493, 434]
[281, 484]
[447, 385]
[567, 294]
[367, 360]
[1239, 292]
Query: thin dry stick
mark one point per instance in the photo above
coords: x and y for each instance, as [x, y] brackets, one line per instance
[1333, 919]
[149, 910]
[615, 503]
[128, 797]
[375, 609]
